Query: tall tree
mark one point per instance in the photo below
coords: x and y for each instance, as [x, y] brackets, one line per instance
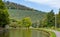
[4, 16]
[58, 19]
[50, 19]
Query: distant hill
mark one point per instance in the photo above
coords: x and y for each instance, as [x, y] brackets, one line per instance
[19, 14]
[13, 5]
[17, 11]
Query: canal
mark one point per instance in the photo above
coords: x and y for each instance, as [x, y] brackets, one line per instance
[23, 33]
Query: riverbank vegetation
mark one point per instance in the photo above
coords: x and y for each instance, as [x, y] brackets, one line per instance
[4, 16]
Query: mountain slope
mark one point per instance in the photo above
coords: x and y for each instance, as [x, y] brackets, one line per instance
[13, 5]
[18, 11]
[19, 14]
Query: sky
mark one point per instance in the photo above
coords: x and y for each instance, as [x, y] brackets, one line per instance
[42, 5]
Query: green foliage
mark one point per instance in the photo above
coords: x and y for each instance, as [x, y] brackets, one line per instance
[26, 22]
[50, 19]
[58, 19]
[4, 16]
[43, 22]
[19, 23]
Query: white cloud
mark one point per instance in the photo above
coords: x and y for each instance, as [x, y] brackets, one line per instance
[52, 3]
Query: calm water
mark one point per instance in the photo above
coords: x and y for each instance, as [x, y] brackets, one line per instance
[23, 33]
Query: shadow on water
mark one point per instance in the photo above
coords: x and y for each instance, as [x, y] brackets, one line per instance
[4, 33]
[22, 33]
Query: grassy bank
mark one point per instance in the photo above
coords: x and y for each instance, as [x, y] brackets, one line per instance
[51, 34]
[58, 29]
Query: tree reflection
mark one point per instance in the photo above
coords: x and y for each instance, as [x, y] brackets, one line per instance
[4, 33]
[26, 32]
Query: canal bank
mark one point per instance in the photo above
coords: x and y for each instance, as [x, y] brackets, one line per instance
[52, 34]
[49, 31]
[35, 32]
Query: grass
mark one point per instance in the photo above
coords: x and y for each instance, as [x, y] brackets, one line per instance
[58, 29]
[51, 34]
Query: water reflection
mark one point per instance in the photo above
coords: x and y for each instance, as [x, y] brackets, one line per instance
[26, 32]
[4, 33]
[20, 33]
[23, 33]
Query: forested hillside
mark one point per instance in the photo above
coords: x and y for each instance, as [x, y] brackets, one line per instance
[18, 11]
[19, 14]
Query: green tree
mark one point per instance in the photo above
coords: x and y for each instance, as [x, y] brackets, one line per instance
[50, 19]
[43, 22]
[58, 19]
[26, 22]
[19, 23]
[4, 16]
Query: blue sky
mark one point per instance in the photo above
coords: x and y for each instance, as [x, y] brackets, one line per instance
[42, 5]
